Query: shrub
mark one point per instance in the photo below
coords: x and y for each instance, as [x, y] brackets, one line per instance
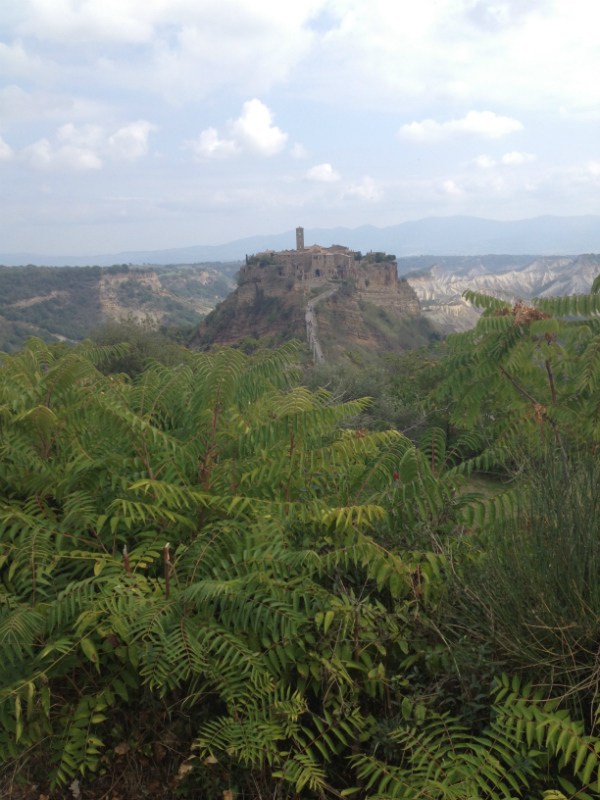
[531, 588]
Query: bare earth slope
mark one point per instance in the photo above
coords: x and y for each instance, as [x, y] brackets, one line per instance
[441, 298]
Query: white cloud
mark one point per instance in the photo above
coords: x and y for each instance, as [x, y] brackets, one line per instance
[88, 136]
[475, 52]
[131, 141]
[92, 20]
[41, 155]
[6, 151]
[483, 124]
[84, 147]
[582, 113]
[515, 158]
[208, 145]
[15, 60]
[299, 151]
[372, 52]
[594, 168]
[484, 162]
[323, 173]
[184, 49]
[138, 21]
[367, 189]
[252, 132]
[18, 105]
[510, 159]
[451, 188]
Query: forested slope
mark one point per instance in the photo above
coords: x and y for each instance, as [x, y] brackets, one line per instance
[65, 303]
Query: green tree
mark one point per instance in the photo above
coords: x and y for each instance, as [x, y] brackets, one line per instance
[144, 343]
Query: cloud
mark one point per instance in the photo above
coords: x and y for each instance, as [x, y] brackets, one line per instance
[483, 124]
[93, 20]
[6, 151]
[18, 105]
[594, 168]
[484, 162]
[208, 145]
[299, 151]
[83, 147]
[41, 155]
[131, 141]
[367, 190]
[451, 188]
[87, 136]
[323, 173]
[15, 60]
[582, 113]
[367, 52]
[509, 159]
[515, 158]
[252, 132]
[183, 49]
[494, 15]
[439, 54]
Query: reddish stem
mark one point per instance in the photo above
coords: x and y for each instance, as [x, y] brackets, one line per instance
[167, 569]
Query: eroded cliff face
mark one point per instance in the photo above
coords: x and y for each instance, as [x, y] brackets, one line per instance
[441, 293]
[111, 287]
[397, 297]
[274, 317]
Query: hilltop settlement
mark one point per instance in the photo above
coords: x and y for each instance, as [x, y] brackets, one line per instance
[363, 303]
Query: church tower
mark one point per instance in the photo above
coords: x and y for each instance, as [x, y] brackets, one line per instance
[299, 238]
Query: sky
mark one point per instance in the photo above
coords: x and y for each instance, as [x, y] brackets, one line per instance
[148, 124]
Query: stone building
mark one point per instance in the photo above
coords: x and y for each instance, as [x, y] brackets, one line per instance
[314, 265]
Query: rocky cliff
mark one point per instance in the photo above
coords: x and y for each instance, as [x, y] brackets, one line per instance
[371, 308]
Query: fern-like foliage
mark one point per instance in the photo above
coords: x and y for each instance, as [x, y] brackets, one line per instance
[530, 745]
[204, 533]
[529, 373]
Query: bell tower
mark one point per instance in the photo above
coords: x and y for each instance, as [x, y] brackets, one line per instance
[299, 238]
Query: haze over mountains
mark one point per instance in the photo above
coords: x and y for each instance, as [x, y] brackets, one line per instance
[458, 235]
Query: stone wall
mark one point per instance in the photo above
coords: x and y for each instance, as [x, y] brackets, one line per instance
[315, 265]
[306, 265]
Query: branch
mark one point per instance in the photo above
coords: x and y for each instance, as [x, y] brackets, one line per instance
[517, 387]
[551, 379]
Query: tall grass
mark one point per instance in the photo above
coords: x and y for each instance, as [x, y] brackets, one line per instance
[531, 590]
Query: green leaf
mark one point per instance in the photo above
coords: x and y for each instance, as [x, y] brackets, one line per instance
[328, 620]
[89, 650]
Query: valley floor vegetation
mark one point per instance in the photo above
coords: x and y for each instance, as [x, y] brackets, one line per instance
[217, 581]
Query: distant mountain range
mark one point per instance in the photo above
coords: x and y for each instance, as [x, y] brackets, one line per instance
[456, 236]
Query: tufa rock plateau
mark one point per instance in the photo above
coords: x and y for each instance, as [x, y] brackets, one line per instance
[370, 308]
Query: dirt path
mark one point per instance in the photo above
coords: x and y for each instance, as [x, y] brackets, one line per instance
[311, 324]
[32, 301]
